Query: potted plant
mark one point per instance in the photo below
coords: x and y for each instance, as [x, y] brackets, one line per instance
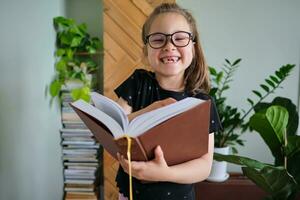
[233, 120]
[76, 63]
[276, 122]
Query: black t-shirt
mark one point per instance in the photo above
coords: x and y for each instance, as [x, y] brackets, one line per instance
[140, 90]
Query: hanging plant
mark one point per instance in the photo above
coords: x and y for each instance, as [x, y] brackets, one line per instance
[75, 59]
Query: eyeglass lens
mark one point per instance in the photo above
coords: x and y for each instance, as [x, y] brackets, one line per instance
[178, 39]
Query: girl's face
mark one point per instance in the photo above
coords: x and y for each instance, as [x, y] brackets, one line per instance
[169, 60]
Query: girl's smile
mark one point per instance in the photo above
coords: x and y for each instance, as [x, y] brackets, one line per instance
[169, 59]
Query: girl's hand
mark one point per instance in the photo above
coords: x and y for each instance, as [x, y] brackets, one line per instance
[154, 170]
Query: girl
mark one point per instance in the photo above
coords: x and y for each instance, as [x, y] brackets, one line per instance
[173, 50]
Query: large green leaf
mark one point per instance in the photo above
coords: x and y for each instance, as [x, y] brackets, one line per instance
[274, 180]
[240, 160]
[291, 108]
[278, 118]
[261, 123]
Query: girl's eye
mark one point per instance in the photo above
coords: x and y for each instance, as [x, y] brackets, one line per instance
[180, 38]
[157, 40]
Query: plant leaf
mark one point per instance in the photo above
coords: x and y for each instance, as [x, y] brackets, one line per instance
[278, 118]
[91, 50]
[279, 74]
[55, 87]
[61, 65]
[213, 91]
[293, 165]
[76, 41]
[60, 52]
[219, 77]
[265, 87]
[261, 124]
[270, 83]
[228, 61]
[212, 71]
[291, 108]
[236, 62]
[293, 146]
[240, 160]
[293, 114]
[70, 53]
[226, 87]
[250, 101]
[257, 93]
[81, 93]
[274, 180]
[274, 79]
[234, 150]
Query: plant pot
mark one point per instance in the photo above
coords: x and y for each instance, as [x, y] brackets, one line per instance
[72, 84]
[219, 169]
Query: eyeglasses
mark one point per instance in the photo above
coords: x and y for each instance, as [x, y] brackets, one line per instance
[178, 39]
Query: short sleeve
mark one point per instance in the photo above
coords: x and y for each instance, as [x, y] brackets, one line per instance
[127, 89]
[215, 123]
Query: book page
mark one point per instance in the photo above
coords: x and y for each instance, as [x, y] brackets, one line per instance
[146, 121]
[108, 121]
[111, 108]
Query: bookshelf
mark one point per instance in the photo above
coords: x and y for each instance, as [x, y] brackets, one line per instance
[81, 156]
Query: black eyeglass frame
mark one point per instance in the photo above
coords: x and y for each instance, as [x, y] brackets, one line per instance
[191, 37]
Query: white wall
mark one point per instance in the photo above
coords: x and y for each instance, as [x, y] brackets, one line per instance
[265, 34]
[30, 152]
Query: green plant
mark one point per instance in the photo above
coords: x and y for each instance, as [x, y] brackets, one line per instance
[276, 124]
[75, 58]
[232, 119]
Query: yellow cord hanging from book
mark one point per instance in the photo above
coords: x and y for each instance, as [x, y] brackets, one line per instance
[129, 165]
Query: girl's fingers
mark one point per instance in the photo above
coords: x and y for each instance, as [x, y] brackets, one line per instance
[122, 162]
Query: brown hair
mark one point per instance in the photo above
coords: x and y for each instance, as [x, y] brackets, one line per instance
[196, 76]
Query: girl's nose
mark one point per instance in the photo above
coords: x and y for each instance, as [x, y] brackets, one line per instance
[169, 46]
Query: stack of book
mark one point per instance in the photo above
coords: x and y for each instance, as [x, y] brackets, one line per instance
[81, 156]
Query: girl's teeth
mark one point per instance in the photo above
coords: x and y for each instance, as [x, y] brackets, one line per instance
[170, 60]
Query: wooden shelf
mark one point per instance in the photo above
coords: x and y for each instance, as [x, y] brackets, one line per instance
[237, 187]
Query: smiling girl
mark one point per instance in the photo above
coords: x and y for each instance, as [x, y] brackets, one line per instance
[172, 48]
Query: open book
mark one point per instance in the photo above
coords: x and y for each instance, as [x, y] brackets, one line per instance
[181, 128]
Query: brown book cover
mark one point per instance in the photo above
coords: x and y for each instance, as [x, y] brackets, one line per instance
[182, 137]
